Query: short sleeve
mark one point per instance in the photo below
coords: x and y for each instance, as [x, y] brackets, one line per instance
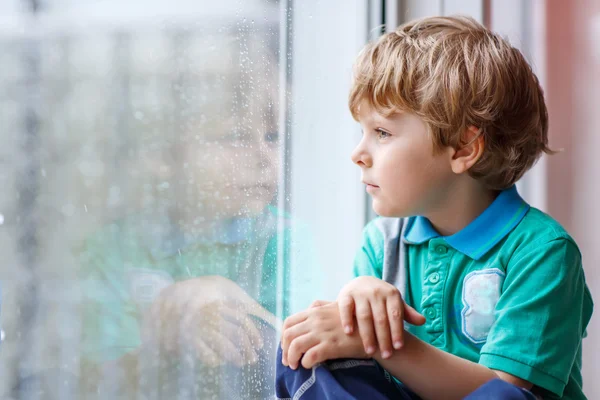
[541, 316]
[369, 257]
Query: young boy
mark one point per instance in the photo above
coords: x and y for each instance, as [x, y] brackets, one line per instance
[493, 289]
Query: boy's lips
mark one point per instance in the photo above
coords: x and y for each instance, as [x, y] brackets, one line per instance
[370, 184]
[370, 187]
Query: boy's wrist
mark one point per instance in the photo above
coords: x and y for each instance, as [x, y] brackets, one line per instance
[377, 356]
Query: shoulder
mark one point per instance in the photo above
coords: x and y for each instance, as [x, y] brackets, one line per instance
[543, 254]
[538, 222]
[538, 230]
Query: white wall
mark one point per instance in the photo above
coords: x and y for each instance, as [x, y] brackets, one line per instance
[326, 191]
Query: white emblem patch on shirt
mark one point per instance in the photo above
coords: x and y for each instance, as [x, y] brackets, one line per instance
[481, 291]
[146, 284]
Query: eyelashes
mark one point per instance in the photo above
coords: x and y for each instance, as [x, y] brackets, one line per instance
[381, 134]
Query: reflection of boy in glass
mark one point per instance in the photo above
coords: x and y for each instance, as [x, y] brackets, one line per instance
[182, 296]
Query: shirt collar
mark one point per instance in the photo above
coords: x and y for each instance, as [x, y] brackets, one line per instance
[483, 233]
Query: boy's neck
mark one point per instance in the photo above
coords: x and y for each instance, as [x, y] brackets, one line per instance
[462, 204]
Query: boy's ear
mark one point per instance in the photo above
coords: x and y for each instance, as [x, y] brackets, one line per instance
[469, 152]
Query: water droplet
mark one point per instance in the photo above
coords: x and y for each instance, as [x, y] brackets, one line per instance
[139, 115]
[1, 219]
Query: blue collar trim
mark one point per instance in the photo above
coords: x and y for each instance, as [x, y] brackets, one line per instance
[483, 233]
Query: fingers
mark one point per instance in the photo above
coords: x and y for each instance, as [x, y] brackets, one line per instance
[242, 320]
[288, 336]
[205, 354]
[314, 355]
[412, 316]
[364, 317]
[395, 316]
[246, 348]
[319, 303]
[382, 328]
[294, 320]
[230, 336]
[346, 307]
[224, 349]
[298, 347]
[253, 308]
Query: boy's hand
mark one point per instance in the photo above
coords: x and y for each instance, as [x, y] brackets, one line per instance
[317, 334]
[210, 317]
[380, 312]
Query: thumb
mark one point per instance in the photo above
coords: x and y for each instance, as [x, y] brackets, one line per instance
[412, 316]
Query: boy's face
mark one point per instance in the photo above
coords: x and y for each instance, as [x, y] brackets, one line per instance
[220, 170]
[232, 174]
[396, 156]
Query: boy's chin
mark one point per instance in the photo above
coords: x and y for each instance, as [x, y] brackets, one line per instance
[383, 211]
[386, 211]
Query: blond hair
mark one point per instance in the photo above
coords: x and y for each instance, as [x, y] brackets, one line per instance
[454, 73]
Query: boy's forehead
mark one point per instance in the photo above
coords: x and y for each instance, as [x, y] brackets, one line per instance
[367, 114]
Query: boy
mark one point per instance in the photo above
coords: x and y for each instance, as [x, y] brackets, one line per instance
[452, 117]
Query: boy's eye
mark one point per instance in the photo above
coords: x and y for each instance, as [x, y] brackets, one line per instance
[382, 134]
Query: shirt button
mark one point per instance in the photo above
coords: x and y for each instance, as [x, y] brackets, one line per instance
[441, 249]
[430, 313]
[434, 278]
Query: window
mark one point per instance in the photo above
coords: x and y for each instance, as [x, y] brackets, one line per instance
[148, 238]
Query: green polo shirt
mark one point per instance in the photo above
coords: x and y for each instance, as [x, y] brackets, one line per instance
[508, 291]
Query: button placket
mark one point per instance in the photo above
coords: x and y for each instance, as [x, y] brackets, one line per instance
[441, 249]
[434, 274]
[430, 312]
[434, 278]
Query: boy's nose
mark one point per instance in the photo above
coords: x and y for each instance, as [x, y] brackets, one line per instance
[361, 157]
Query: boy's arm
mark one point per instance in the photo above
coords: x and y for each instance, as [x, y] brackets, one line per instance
[434, 374]
[316, 335]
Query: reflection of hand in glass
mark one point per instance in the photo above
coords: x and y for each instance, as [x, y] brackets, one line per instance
[209, 316]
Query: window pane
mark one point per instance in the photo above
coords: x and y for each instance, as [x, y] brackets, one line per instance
[145, 225]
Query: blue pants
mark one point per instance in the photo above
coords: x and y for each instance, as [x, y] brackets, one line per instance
[365, 379]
